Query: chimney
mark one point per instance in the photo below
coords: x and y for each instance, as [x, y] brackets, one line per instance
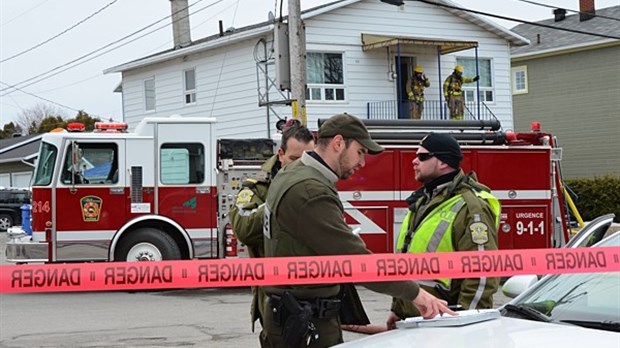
[180, 23]
[586, 10]
[560, 14]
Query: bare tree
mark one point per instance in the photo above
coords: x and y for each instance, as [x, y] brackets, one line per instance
[30, 119]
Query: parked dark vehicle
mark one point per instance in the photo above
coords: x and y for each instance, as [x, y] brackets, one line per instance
[11, 201]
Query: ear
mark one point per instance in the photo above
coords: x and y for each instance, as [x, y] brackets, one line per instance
[338, 143]
[280, 154]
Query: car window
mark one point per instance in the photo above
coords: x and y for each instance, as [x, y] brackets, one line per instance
[578, 297]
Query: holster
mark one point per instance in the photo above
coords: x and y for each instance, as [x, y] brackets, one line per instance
[295, 316]
[297, 325]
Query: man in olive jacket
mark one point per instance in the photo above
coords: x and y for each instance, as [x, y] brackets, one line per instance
[451, 212]
[246, 216]
[304, 217]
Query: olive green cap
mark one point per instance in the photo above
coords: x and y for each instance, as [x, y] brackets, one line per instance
[350, 127]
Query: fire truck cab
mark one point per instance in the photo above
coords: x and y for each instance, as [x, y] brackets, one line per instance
[112, 195]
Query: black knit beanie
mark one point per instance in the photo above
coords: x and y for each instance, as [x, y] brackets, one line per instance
[445, 148]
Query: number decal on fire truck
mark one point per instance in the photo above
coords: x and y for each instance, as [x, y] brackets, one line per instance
[530, 227]
[41, 207]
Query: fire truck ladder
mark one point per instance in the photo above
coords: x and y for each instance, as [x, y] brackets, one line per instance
[468, 132]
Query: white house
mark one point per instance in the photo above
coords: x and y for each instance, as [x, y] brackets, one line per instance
[359, 54]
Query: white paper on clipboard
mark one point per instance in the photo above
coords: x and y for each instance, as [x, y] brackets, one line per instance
[464, 318]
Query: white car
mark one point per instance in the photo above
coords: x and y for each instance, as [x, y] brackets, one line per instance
[566, 310]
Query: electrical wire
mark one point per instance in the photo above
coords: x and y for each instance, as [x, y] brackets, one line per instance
[569, 10]
[39, 97]
[100, 54]
[23, 13]
[42, 77]
[519, 20]
[59, 34]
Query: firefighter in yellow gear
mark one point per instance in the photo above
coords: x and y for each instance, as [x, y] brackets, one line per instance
[415, 91]
[451, 212]
[453, 93]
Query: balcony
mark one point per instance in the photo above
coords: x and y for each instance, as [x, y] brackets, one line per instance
[433, 110]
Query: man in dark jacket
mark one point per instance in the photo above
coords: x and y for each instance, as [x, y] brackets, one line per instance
[305, 217]
[246, 216]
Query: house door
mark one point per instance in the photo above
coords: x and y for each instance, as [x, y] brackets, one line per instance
[406, 65]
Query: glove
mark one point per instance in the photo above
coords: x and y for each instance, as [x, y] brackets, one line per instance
[410, 95]
[476, 78]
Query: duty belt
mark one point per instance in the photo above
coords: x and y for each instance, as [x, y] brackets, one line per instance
[321, 308]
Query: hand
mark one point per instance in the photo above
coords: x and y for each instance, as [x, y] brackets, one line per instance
[391, 321]
[476, 78]
[429, 305]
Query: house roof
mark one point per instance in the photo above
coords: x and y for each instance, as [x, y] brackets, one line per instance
[254, 30]
[554, 40]
[16, 149]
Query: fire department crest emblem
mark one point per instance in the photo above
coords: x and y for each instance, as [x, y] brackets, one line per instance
[479, 233]
[91, 208]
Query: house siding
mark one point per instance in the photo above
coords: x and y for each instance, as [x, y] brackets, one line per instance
[226, 77]
[576, 97]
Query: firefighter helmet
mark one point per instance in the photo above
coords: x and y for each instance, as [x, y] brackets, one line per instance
[459, 68]
[418, 69]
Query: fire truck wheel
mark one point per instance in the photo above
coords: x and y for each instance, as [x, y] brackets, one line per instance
[6, 221]
[147, 244]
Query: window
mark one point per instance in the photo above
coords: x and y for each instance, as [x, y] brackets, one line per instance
[486, 79]
[95, 163]
[182, 163]
[45, 165]
[189, 86]
[519, 79]
[325, 77]
[149, 94]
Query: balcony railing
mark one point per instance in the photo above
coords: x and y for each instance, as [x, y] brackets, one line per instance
[433, 110]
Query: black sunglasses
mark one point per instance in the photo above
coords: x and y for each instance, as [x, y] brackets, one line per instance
[423, 156]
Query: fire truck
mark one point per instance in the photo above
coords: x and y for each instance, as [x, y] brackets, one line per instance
[164, 190]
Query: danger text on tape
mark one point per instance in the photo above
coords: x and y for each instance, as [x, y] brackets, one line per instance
[303, 270]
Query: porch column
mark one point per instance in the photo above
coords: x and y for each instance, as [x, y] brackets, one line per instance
[477, 82]
[440, 82]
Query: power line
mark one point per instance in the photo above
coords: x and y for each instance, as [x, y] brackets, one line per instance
[569, 10]
[42, 76]
[519, 20]
[23, 13]
[59, 34]
[68, 85]
[36, 96]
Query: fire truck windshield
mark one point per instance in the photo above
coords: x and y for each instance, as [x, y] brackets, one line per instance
[45, 165]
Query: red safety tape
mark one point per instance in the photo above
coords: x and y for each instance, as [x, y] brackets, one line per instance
[302, 270]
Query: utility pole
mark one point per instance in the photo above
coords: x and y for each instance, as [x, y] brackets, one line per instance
[297, 54]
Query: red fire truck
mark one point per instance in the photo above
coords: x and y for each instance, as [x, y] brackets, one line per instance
[522, 170]
[164, 190]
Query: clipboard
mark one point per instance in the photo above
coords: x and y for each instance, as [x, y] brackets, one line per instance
[466, 317]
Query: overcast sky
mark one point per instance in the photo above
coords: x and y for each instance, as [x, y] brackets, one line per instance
[25, 24]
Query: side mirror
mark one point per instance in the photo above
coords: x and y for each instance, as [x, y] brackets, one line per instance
[516, 285]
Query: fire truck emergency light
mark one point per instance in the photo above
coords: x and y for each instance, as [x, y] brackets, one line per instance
[75, 127]
[111, 127]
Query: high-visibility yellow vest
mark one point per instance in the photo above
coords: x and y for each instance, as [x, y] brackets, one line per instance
[434, 234]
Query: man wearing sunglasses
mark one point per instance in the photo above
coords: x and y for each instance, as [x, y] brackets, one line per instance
[452, 211]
